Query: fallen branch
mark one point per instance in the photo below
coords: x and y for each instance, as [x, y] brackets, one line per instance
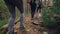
[5, 27]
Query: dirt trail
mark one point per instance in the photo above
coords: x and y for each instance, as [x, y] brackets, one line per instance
[29, 28]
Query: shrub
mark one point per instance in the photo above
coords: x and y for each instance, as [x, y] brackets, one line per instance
[51, 16]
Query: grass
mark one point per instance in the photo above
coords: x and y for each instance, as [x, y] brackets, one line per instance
[3, 22]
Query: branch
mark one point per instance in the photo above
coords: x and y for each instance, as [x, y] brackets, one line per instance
[5, 27]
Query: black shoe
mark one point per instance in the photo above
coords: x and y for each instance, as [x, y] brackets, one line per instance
[21, 27]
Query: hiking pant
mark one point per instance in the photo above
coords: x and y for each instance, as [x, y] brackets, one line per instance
[11, 4]
[33, 8]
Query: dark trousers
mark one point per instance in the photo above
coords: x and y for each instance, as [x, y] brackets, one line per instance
[33, 8]
[11, 4]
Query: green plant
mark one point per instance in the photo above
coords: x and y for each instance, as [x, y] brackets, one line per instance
[51, 16]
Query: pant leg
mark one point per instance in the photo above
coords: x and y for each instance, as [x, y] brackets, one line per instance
[33, 8]
[11, 9]
[39, 8]
[20, 7]
[19, 4]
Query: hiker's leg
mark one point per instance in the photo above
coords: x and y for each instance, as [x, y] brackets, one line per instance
[12, 18]
[39, 11]
[20, 7]
[33, 7]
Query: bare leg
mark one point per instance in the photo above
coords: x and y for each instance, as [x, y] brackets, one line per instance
[12, 18]
[20, 7]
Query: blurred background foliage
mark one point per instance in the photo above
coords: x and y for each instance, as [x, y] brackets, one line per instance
[4, 14]
[51, 16]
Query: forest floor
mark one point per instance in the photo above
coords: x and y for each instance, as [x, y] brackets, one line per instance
[29, 27]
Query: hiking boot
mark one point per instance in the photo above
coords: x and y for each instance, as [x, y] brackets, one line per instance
[21, 27]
